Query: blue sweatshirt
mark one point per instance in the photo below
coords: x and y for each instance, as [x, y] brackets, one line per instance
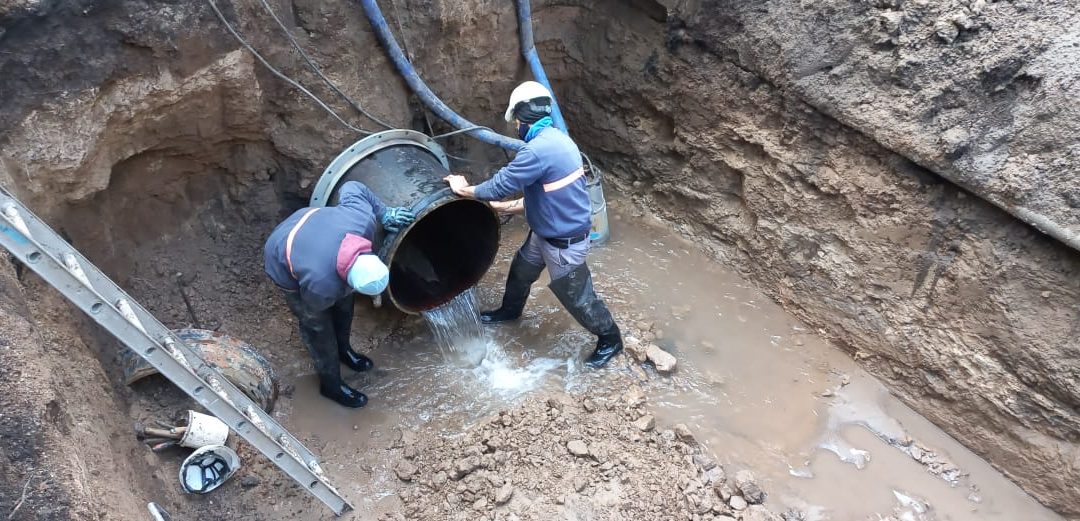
[325, 246]
[560, 211]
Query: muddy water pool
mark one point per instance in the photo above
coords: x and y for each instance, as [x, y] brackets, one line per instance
[756, 386]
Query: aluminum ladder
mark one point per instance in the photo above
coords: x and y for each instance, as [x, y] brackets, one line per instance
[36, 245]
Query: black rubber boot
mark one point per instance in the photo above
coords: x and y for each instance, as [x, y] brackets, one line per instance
[518, 282]
[575, 292]
[341, 315]
[344, 395]
[317, 332]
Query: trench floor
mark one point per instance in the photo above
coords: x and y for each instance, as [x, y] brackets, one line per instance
[758, 388]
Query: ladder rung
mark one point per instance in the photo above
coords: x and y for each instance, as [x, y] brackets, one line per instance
[125, 309]
[72, 265]
[16, 220]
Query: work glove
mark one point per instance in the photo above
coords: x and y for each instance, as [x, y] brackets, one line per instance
[394, 219]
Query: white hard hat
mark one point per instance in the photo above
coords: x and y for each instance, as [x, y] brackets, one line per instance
[207, 468]
[368, 275]
[527, 91]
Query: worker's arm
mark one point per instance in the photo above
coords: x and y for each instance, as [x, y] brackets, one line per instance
[354, 192]
[523, 171]
[392, 219]
[517, 206]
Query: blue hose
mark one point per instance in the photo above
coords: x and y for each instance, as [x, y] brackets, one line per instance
[428, 98]
[528, 51]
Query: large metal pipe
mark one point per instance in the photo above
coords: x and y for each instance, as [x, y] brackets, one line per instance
[453, 241]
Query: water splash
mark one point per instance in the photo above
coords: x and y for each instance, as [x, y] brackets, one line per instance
[458, 331]
[465, 343]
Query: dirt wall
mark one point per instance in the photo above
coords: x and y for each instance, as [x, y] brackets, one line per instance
[968, 314]
[982, 93]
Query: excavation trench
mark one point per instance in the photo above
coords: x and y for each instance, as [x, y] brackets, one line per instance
[828, 300]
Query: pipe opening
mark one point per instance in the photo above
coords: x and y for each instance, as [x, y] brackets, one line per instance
[453, 241]
[445, 252]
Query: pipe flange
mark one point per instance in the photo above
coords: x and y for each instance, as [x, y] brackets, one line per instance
[364, 148]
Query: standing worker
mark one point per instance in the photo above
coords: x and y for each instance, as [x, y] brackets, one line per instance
[548, 170]
[319, 257]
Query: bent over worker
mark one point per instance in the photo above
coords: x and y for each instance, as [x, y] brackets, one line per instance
[319, 257]
[549, 171]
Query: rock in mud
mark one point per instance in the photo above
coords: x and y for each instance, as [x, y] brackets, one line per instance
[946, 30]
[706, 463]
[578, 448]
[664, 361]
[250, 480]
[580, 483]
[645, 423]
[634, 396]
[747, 485]
[682, 432]
[714, 476]
[759, 513]
[405, 471]
[465, 466]
[502, 496]
[637, 349]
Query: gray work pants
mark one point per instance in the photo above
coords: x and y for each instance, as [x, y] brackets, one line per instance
[559, 262]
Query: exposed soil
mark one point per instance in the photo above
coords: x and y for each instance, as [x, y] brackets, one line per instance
[812, 159]
[597, 457]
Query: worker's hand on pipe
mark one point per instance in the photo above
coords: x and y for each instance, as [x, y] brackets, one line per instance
[394, 219]
[459, 185]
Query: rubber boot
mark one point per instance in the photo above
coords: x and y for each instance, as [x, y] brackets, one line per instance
[318, 335]
[575, 292]
[518, 282]
[342, 314]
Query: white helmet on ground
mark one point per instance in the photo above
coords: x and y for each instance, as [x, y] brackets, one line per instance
[525, 92]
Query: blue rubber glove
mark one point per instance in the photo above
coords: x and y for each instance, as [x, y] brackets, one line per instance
[394, 219]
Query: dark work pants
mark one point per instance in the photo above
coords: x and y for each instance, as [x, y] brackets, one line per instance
[325, 333]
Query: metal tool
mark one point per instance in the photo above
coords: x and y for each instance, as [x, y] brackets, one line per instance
[39, 247]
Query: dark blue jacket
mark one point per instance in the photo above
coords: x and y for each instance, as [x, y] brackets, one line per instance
[325, 246]
[557, 212]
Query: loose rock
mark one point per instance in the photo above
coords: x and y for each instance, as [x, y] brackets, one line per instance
[637, 350]
[745, 482]
[664, 361]
[405, 471]
[578, 448]
[683, 433]
[645, 423]
[503, 494]
[465, 466]
[737, 503]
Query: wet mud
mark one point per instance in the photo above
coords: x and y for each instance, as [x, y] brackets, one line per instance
[757, 389]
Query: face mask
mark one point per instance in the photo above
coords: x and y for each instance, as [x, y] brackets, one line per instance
[523, 129]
